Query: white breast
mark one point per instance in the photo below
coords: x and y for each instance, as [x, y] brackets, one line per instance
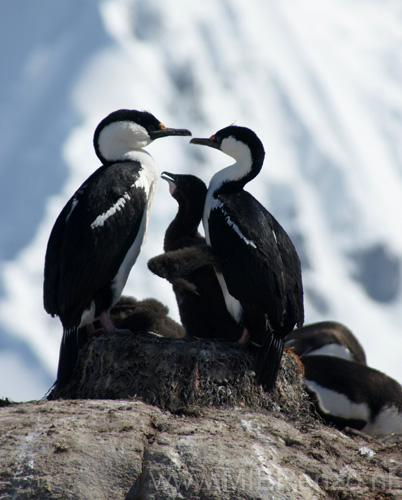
[148, 181]
[232, 304]
[388, 421]
[337, 404]
[335, 350]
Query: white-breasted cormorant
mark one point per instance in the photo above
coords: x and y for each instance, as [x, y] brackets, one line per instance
[98, 235]
[260, 271]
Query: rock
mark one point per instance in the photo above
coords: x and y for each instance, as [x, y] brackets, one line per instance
[107, 449]
[153, 418]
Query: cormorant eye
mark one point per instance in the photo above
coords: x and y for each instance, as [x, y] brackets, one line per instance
[218, 139]
[151, 128]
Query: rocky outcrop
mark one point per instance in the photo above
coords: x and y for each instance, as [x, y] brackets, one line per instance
[97, 450]
[153, 418]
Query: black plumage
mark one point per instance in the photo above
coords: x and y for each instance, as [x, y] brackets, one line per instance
[328, 338]
[346, 393]
[260, 271]
[188, 264]
[99, 233]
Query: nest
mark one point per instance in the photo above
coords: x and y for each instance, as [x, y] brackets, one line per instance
[179, 374]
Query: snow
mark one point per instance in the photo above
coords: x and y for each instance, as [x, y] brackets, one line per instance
[318, 80]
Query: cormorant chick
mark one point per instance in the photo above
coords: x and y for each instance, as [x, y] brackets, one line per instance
[188, 265]
[147, 315]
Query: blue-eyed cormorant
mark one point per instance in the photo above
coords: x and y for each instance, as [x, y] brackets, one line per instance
[328, 338]
[188, 264]
[260, 272]
[99, 233]
[346, 393]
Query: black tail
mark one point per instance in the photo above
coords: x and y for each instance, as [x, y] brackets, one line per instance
[268, 361]
[72, 340]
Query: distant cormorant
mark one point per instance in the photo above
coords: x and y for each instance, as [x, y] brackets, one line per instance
[351, 394]
[328, 338]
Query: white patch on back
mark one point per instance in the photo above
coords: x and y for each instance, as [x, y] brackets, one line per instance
[212, 203]
[74, 203]
[102, 218]
[148, 177]
[388, 421]
[334, 350]
[237, 230]
[337, 404]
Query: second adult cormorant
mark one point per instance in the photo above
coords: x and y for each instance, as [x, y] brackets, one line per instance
[260, 271]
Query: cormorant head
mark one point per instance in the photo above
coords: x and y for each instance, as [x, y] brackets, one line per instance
[186, 189]
[240, 143]
[127, 130]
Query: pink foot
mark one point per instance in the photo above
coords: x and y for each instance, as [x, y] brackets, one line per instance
[107, 324]
[96, 332]
[245, 337]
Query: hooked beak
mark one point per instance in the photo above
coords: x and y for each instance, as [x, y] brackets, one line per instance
[205, 142]
[165, 132]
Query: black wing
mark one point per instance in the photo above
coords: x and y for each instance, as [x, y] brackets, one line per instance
[258, 259]
[84, 251]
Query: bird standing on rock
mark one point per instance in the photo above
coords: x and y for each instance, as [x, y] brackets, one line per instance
[260, 271]
[328, 338]
[98, 235]
[350, 394]
[188, 264]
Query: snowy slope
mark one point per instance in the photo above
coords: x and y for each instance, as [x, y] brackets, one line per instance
[318, 80]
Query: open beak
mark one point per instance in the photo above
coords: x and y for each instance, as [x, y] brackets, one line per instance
[165, 132]
[205, 142]
[170, 178]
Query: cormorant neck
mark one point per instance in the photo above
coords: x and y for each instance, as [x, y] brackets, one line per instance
[139, 155]
[183, 226]
[234, 177]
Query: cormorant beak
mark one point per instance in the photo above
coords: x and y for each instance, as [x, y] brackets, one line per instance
[163, 131]
[206, 142]
[170, 178]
